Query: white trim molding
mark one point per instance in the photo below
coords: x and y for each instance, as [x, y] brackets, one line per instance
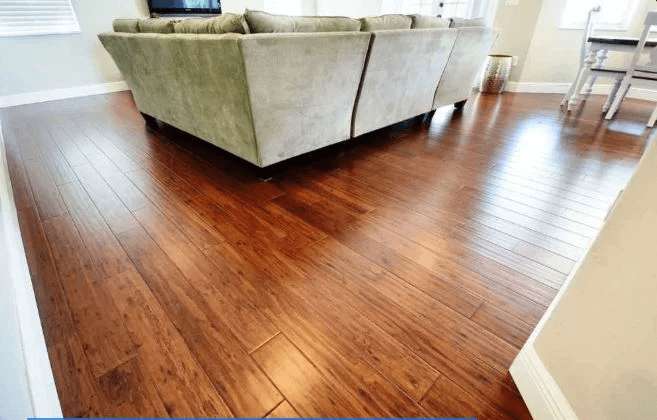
[64, 93]
[38, 373]
[540, 391]
[538, 388]
[598, 89]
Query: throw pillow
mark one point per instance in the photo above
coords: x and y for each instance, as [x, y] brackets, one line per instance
[222, 24]
[385, 22]
[424, 21]
[466, 23]
[125, 25]
[263, 22]
[157, 25]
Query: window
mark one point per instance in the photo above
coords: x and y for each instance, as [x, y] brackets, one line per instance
[463, 8]
[613, 15]
[37, 17]
[426, 7]
[284, 7]
[446, 8]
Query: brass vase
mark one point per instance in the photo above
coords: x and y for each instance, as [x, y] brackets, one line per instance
[498, 68]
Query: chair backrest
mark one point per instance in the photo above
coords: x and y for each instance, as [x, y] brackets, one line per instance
[649, 21]
[588, 30]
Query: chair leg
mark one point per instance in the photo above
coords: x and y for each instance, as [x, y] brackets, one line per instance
[612, 94]
[589, 87]
[576, 96]
[571, 89]
[653, 118]
[625, 86]
[582, 78]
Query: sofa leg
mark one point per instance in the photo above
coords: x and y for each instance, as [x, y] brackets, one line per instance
[460, 104]
[266, 174]
[429, 116]
[151, 122]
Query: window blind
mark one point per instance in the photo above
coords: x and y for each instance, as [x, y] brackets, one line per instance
[613, 15]
[37, 17]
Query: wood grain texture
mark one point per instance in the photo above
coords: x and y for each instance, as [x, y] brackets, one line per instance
[395, 275]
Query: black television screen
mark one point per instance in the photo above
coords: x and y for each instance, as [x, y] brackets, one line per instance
[185, 6]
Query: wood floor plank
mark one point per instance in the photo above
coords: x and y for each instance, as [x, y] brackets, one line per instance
[115, 214]
[283, 411]
[52, 304]
[108, 259]
[48, 201]
[130, 393]
[508, 327]
[442, 351]
[79, 393]
[244, 319]
[396, 275]
[246, 390]
[299, 381]
[100, 328]
[446, 399]
[358, 338]
[164, 359]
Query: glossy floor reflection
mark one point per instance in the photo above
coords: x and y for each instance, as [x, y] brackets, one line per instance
[395, 275]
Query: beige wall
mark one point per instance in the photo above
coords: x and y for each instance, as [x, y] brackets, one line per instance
[516, 26]
[44, 62]
[546, 53]
[553, 53]
[600, 342]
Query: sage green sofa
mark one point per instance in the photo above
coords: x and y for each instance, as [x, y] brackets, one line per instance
[400, 78]
[301, 84]
[465, 61]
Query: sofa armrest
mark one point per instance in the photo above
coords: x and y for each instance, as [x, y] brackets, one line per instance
[196, 83]
[466, 61]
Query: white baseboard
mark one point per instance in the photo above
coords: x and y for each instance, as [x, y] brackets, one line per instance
[598, 89]
[539, 390]
[38, 373]
[55, 94]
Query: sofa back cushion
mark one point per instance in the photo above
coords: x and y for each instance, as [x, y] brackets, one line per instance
[157, 25]
[467, 23]
[223, 24]
[426, 22]
[126, 25]
[385, 22]
[263, 22]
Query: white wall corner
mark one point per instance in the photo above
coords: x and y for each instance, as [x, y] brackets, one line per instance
[64, 93]
[538, 388]
[32, 346]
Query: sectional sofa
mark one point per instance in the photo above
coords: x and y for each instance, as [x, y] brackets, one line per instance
[268, 87]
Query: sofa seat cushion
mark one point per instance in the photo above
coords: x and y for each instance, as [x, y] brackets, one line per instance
[126, 25]
[467, 23]
[157, 25]
[385, 22]
[426, 22]
[263, 22]
[223, 24]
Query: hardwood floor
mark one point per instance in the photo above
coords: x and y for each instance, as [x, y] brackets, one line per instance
[396, 275]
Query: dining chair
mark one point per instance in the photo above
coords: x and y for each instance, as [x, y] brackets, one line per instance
[636, 73]
[591, 66]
